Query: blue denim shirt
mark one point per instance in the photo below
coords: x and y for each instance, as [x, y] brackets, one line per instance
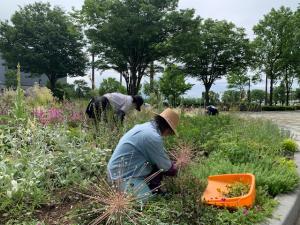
[137, 151]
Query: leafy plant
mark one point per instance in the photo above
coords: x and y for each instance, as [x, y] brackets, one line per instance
[289, 145]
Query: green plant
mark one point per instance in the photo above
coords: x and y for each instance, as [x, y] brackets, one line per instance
[289, 145]
[39, 96]
[19, 110]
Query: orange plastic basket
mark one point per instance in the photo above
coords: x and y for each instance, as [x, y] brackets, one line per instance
[218, 184]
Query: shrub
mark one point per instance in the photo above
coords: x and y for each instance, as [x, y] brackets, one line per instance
[39, 96]
[278, 108]
[289, 145]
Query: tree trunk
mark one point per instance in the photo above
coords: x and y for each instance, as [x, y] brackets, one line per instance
[287, 88]
[271, 90]
[93, 71]
[133, 83]
[151, 76]
[52, 79]
[249, 91]
[266, 90]
[207, 88]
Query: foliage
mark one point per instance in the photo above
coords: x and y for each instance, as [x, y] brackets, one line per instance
[279, 94]
[38, 160]
[273, 41]
[236, 189]
[155, 88]
[230, 97]
[257, 96]
[81, 88]
[289, 145]
[213, 50]
[63, 90]
[129, 35]
[191, 102]
[10, 79]
[279, 108]
[297, 94]
[173, 84]
[35, 162]
[7, 100]
[44, 40]
[19, 109]
[110, 85]
[238, 80]
[38, 96]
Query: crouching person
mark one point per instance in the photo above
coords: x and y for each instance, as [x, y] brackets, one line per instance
[212, 110]
[121, 104]
[140, 161]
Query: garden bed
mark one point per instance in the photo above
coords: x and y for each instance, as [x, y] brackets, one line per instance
[40, 159]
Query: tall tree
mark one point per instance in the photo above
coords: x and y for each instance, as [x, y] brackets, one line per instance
[272, 33]
[172, 84]
[257, 95]
[279, 94]
[215, 49]
[110, 85]
[45, 41]
[230, 97]
[128, 34]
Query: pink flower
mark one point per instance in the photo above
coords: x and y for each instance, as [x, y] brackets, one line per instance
[245, 211]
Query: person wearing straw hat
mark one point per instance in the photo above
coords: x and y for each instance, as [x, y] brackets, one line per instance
[140, 161]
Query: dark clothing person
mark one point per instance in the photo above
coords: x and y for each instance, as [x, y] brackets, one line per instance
[212, 110]
[119, 103]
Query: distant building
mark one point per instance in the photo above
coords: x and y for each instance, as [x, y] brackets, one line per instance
[26, 80]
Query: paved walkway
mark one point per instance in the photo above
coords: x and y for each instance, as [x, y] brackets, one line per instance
[289, 120]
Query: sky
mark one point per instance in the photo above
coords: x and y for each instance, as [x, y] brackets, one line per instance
[243, 13]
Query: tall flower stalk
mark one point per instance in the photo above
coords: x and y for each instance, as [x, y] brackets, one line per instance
[19, 106]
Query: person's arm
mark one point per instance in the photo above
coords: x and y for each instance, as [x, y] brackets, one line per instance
[158, 156]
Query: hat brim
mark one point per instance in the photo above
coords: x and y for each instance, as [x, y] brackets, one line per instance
[172, 128]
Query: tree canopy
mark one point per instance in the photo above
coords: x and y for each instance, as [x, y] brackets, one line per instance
[172, 84]
[275, 41]
[212, 51]
[45, 41]
[128, 35]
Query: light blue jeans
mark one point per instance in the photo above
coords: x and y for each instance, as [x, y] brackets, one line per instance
[138, 187]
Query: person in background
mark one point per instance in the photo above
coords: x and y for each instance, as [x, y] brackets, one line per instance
[140, 153]
[212, 110]
[120, 104]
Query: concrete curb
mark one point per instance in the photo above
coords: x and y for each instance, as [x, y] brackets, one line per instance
[287, 212]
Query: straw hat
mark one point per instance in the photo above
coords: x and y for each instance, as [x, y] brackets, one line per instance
[171, 117]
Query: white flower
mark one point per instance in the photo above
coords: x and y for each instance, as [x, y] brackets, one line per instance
[14, 184]
[9, 193]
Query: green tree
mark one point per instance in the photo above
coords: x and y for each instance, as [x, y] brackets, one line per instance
[231, 97]
[257, 96]
[272, 35]
[110, 85]
[45, 41]
[239, 81]
[11, 79]
[172, 84]
[279, 94]
[289, 63]
[297, 94]
[217, 48]
[129, 35]
[147, 89]
[81, 88]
